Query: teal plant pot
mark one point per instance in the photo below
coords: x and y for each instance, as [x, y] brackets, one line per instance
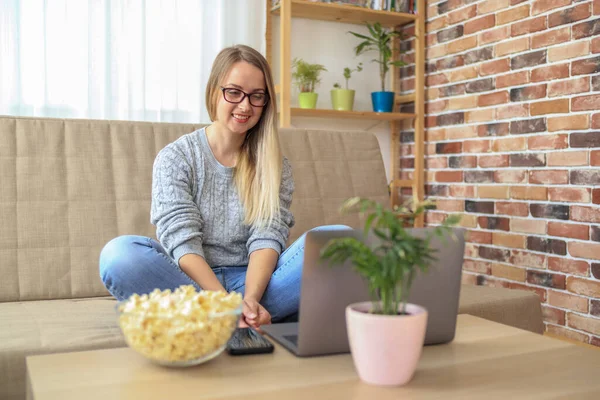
[383, 101]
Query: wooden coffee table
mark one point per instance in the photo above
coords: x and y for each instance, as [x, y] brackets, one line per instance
[486, 360]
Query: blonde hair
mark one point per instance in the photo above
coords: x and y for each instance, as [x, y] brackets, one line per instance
[257, 174]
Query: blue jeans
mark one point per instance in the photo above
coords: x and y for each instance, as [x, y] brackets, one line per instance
[138, 264]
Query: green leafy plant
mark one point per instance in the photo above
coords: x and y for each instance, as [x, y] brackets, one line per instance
[389, 266]
[348, 74]
[306, 75]
[381, 42]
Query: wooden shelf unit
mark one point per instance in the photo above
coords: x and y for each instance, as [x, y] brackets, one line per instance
[332, 12]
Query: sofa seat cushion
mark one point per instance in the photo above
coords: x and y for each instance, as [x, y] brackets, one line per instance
[51, 326]
[518, 308]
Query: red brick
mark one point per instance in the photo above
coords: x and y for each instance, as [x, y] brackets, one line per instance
[479, 24]
[528, 259]
[549, 177]
[572, 50]
[585, 214]
[577, 85]
[510, 144]
[571, 122]
[500, 160]
[479, 237]
[558, 106]
[596, 196]
[437, 79]
[463, 191]
[511, 46]
[540, 6]
[553, 315]
[512, 208]
[528, 26]
[529, 192]
[584, 287]
[463, 14]
[509, 240]
[596, 7]
[595, 158]
[586, 103]
[551, 72]
[569, 301]
[571, 158]
[528, 225]
[495, 67]
[476, 146]
[514, 14]
[459, 45]
[436, 162]
[489, 6]
[513, 111]
[436, 106]
[585, 250]
[596, 45]
[481, 267]
[547, 142]
[573, 231]
[552, 37]
[584, 323]
[493, 99]
[510, 176]
[508, 272]
[569, 15]
[514, 79]
[449, 176]
[575, 195]
[494, 35]
[560, 331]
[596, 121]
[569, 266]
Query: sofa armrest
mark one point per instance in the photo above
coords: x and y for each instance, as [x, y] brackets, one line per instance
[518, 308]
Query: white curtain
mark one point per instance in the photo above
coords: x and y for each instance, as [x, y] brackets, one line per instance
[118, 59]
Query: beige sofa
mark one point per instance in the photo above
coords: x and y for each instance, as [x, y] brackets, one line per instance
[69, 186]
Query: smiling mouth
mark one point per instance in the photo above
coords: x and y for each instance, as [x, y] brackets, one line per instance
[241, 118]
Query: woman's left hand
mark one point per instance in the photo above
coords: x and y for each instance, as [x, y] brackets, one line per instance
[254, 315]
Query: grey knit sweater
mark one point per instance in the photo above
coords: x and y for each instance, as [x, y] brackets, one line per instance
[196, 208]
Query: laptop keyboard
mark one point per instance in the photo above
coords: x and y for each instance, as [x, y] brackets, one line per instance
[292, 338]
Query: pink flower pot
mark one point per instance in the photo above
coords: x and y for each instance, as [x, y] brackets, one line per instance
[385, 348]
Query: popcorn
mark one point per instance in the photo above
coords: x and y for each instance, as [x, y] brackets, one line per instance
[179, 326]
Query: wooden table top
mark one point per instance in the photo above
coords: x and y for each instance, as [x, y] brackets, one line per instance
[486, 360]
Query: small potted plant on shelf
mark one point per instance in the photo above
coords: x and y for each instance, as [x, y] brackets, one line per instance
[343, 99]
[380, 40]
[307, 76]
[381, 355]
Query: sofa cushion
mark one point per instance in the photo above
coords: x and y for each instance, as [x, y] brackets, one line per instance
[51, 326]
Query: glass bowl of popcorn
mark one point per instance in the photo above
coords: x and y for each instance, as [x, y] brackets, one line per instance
[180, 328]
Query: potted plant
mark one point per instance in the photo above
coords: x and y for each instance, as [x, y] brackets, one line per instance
[306, 76]
[343, 99]
[381, 42]
[386, 335]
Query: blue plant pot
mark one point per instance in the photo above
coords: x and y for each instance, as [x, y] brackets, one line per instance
[383, 101]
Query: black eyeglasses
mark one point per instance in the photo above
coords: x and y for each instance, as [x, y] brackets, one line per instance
[236, 96]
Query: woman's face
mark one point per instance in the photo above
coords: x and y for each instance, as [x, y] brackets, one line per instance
[239, 118]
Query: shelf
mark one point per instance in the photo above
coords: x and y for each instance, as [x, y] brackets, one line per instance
[323, 113]
[345, 13]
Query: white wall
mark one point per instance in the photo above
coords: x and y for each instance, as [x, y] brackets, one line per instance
[328, 43]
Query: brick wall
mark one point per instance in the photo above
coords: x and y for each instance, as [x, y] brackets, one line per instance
[513, 143]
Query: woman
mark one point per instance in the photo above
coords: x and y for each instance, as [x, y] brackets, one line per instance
[221, 204]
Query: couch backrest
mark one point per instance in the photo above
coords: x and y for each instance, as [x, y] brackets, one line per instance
[69, 186]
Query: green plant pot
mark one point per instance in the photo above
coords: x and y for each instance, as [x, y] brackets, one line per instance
[308, 99]
[342, 99]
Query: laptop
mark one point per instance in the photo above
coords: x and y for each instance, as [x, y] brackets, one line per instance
[326, 291]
